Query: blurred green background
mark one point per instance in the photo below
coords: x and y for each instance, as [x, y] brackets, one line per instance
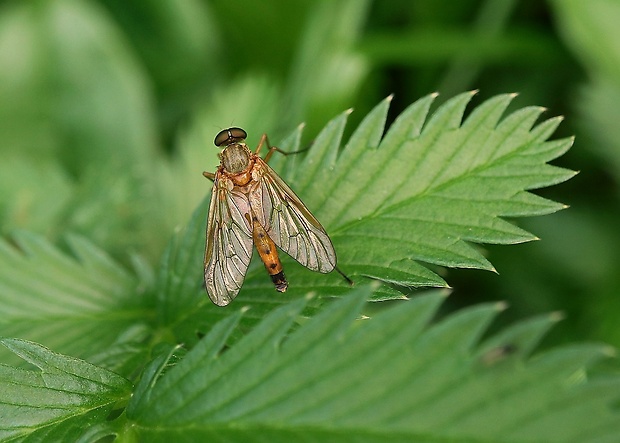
[108, 110]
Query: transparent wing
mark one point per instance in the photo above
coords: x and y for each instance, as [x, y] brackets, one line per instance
[229, 243]
[289, 223]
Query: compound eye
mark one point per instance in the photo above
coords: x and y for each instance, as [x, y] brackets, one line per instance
[221, 137]
[227, 136]
[238, 133]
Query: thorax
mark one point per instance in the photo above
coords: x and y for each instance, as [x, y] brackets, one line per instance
[237, 163]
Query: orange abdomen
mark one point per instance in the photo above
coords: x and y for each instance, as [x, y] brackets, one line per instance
[269, 255]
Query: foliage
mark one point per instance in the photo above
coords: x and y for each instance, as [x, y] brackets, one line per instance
[55, 403]
[336, 378]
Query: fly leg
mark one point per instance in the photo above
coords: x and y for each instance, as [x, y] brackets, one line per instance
[348, 280]
[264, 140]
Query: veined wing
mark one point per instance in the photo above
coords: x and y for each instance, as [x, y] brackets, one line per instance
[289, 223]
[229, 243]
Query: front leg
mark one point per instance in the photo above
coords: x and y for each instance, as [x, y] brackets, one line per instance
[264, 140]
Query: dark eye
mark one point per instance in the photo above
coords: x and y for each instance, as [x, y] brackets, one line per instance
[227, 136]
[238, 133]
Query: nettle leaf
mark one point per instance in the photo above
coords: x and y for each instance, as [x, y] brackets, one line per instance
[84, 305]
[398, 376]
[59, 401]
[421, 193]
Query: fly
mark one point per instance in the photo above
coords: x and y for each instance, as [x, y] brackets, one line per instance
[252, 206]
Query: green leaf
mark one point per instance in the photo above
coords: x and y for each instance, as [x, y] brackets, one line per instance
[88, 88]
[590, 29]
[422, 193]
[75, 103]
[398, 376]
[25, 198]
[316, 89]
[591, 32]
[83, 305]
[427, 194]
[165, 357]
[59, 401]
[180, 281]
[180, 44]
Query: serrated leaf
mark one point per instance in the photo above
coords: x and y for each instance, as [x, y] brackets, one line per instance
[178, 282]
[164, 357]
[395, 377]
[86, 305]
[57, 402]
[420, 195]
[429, 195]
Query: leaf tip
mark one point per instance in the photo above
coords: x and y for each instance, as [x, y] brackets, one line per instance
[375, 284]
[556, 316]
[445, 293]
[389, 98]
[501, 306]
[10, 343]
[609, 351]
[348, 111]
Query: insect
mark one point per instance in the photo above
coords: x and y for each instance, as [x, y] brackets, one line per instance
[252, 205]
